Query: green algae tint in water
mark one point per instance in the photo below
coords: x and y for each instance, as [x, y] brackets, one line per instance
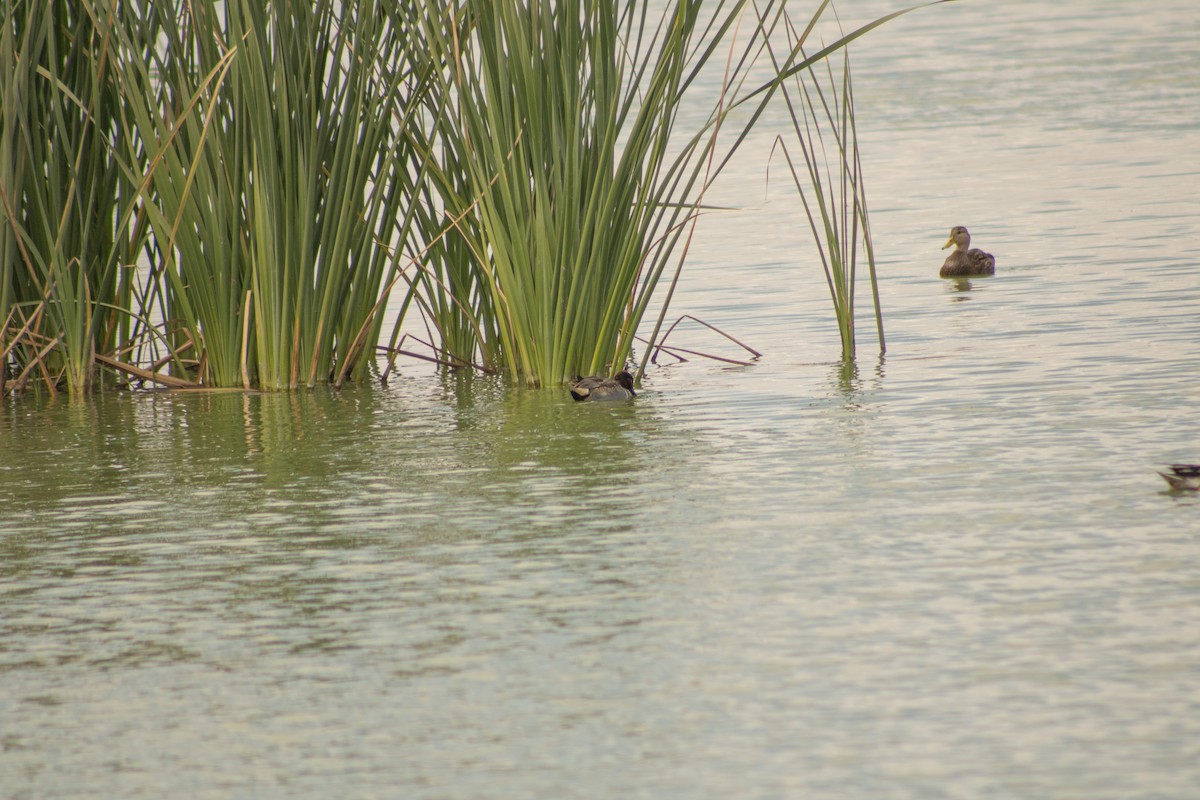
[950, 572]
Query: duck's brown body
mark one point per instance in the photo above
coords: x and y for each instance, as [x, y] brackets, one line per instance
[594, 388]
[966, 261]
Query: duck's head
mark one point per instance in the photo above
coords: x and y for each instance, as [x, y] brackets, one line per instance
[626, 380]
[958, 237]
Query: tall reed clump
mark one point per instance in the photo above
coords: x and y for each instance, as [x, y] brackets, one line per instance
[271, 166]
[832, 190]
[561, 173]
[67, 225]
[569, 172]
[283, 150]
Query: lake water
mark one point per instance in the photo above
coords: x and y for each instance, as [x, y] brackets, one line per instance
[950, 572]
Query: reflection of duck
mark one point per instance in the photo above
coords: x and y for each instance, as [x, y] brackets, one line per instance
[593, 387]
[963, 261]
[1183, 477]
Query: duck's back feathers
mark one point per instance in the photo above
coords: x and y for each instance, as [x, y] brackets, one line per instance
[962, 263]
[580, 388]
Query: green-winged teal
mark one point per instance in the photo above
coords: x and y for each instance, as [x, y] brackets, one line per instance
[593, 387]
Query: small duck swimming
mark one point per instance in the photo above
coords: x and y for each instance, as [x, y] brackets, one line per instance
[963, 262]
[595, 388]
[1183, 477]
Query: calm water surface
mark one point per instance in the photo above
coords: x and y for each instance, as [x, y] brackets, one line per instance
[948, 573]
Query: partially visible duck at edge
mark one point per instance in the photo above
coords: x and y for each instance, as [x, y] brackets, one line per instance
[595, 388]
[1183, 477]
[963, 261]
